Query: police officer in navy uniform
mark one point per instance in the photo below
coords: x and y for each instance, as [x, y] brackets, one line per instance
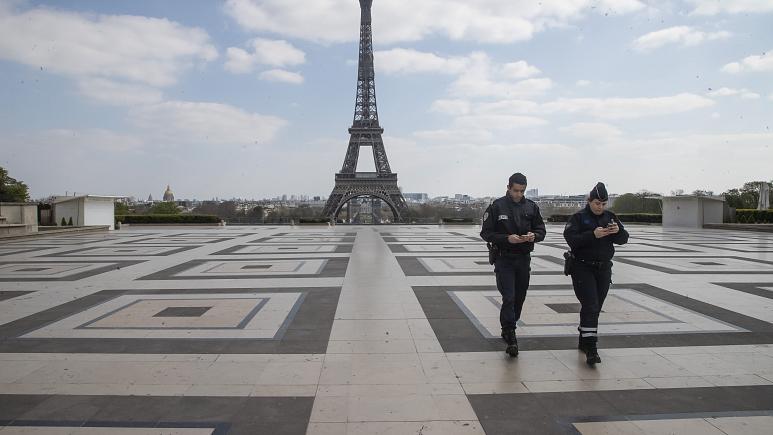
[591, 234]
[512, 224]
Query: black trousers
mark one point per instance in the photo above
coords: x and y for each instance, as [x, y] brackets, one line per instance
[512, 273]
[591, 285]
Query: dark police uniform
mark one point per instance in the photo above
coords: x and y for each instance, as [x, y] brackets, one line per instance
[502, 218]
[592, 268]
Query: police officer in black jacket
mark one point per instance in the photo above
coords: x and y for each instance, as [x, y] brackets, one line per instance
[591, 234]
[512, 224]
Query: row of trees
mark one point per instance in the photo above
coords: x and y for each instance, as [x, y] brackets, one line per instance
[642, 202]
[11, 189]
[747, 196]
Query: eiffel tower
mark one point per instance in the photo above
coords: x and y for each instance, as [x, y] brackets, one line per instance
[366, 132]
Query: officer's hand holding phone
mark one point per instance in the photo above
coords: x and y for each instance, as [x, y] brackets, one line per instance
[529, 237]
[515, 238]
[600, 232]
[613, 228]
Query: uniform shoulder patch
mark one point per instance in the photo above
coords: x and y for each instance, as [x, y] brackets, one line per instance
[485, 216]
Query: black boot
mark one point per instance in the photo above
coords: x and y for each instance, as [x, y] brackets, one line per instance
[512, 343]
[591, 351]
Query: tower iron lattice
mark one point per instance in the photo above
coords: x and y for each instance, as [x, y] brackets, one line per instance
[366, 132]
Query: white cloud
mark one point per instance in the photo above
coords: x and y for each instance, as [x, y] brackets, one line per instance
[276, 53]
[498, 121]
[682, 35]
[484, 78]
[409, 61]
[519, 70]
[727, 92]
[175, 122]
[477, 75]
[770, 97]
[583, 83]
[454, 135]
[754, 63]
[714, 7]
[592, 130]
[118, 93]
[151, 51]
[628, 108]
[451, 107]
[478, 85]
[490, 21]
[723, 92]
[283, 76]
[84, 140]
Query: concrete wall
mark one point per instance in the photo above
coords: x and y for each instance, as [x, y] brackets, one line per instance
[691, 212]
[713, 211]
[99, 211]
[69, 209]
[86, 211]
[20, 213]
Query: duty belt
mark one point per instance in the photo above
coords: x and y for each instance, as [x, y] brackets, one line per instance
[597, 264]
[514, 253]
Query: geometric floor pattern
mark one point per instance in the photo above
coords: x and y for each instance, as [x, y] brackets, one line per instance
[376, 329]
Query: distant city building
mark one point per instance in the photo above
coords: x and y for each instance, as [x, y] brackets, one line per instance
[532, 193]
[150, 198]
[420, 198]
[168, 195]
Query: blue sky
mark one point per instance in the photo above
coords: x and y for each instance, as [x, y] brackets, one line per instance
[250, 98]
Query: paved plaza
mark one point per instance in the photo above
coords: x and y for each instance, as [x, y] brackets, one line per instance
[376, 330]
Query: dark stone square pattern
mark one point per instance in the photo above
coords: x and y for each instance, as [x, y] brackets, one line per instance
[34, 269]
[457, 333]
[412, 267]
[308, 329]
[333, 238]
[84, 252]
[555, 413]
[182, 312]
[399, 248]
[335, 267]
[443, 239]
[762, 246]
[256, 266]
[108, 266]
[224, 415]
[661, 248]
[21, 250]
[170, 240]
[5, 295]
[206, 235]
[232, 250]
[316, 234]
[632, 261]
[565, 308]
[753, 288]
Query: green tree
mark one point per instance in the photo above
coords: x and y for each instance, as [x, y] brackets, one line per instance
[121, 209]
[642, 202]
[12, 190]
[747, 196]
[69, 222]
[164, 208]
[63, 223]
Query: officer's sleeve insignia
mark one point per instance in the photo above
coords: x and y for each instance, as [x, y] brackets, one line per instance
[485, 216]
